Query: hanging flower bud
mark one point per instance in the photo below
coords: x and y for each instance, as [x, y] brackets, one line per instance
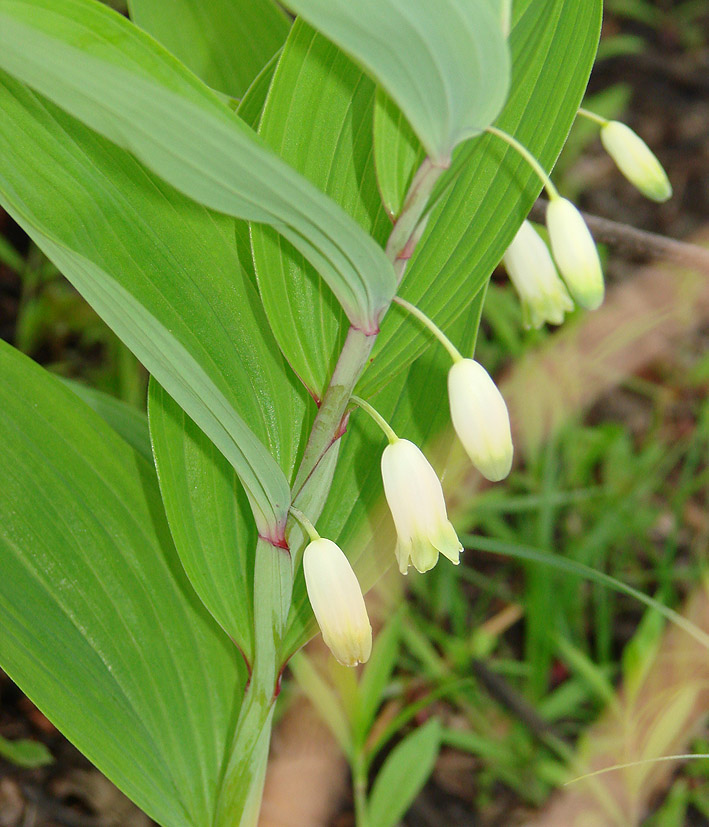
[531, 270]
[480, 418]
[415, 497]
[636, 160]
[575, 253]
[337, 602]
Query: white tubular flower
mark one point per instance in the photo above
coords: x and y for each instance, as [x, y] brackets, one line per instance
[337, 602]
[531, 270]
[636, 160]
[415, 497]
[480, 419]
[575, 253]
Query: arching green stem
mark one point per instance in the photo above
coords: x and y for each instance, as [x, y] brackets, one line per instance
[432, 326]
[522, 150]
[377, 417]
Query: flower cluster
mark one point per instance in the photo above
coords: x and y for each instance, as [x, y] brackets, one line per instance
[478, 412]
[527, 260]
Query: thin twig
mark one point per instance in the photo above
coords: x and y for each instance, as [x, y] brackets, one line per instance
[499, 689]
[631, 241]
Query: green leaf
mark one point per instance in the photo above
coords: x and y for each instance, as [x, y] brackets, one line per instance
[251, 105]
[206, 505]
[25, 753]
[316, 82]
[405, 771]
[164, 273]
[224, 42]
[108, 74]
[445, 64]
[564, 564]
[101, 628]
[397, 153]
[489, 188]
[209, 517]
[128, 422]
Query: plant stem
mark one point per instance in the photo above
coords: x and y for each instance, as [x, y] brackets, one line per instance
[328, 424]
[591, 116]
[403, 237]
[432, 326]
[305, 522]
[359, 788]
[242, 786]
[377, 417]
[528, 157]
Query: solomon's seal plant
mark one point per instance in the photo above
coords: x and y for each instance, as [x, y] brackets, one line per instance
[244, 219]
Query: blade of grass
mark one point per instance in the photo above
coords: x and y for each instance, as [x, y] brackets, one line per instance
[491, 546]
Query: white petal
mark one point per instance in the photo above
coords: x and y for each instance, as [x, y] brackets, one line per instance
[575, 253]
[636, 161]
[337, 602]
[415, 498]
[531, 270]
[480, 419]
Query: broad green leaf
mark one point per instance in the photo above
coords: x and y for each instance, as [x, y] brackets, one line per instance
[209, 517]
[164, 273]
[553, 44]
[445, 64]
[24, 752]
[403, 774]
[224, 42]
[397, 153]
[101, 628]
[206, 505]
[316, 83]
[251, 105]
[128, 422]
[120, 82]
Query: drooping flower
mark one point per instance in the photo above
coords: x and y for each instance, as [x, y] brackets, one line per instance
[415, 497]
[636, 160]
[337, 601]
[480, 418]
[575, 253]
[531, 270]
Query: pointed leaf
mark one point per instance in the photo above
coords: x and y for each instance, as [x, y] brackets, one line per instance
[101, 628]
[445, 64]
[209, 517]
[164, 273]
[107, 73]
[405, 771]
[128, 422]
[397, 153]
[224, 42]
[315, 82]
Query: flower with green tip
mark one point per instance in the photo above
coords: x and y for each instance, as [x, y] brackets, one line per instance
[533, 274]
[636, 160]
[575, 253]
[480, 418]
[337, 601]
[415, 497]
